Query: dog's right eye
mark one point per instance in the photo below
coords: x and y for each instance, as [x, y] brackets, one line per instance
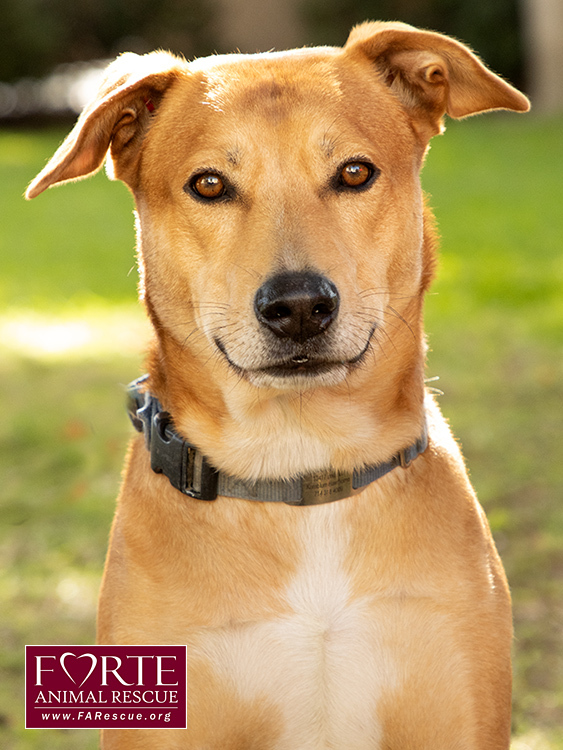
[208, 185]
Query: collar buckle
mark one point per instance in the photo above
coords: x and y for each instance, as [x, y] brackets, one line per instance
[187, 468]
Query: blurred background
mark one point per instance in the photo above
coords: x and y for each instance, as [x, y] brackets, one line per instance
[52, 49]
[72, 334]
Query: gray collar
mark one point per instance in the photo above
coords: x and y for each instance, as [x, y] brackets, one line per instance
[190, 472]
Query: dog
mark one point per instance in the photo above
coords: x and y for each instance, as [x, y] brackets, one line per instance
[295, 508]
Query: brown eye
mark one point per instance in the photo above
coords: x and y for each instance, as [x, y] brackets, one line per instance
[208, 185]
[355, 174]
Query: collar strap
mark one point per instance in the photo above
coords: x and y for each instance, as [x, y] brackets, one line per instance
[190, 472]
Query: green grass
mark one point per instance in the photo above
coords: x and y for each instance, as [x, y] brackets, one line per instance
[66, 257]
[496, 332]
[495, 324]
[70, 246]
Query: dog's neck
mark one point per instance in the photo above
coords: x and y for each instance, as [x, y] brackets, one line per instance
[191, 472]
[263, 433]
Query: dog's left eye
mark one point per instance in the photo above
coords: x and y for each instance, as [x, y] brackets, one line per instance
[356, 174]
[208, 185]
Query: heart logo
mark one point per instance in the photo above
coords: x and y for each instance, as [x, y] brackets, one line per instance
[93, 661]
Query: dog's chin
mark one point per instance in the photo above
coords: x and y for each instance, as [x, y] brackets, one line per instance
[297, 378]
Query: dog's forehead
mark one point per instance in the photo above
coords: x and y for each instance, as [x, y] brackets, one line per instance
[308, 90]
[291, 77]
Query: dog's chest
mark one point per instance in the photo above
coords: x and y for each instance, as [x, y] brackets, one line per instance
[321, 666]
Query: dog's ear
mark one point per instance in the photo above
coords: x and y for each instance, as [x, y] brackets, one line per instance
[115, 119]
[432, 74]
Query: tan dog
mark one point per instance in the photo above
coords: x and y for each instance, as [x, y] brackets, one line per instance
[285, 250]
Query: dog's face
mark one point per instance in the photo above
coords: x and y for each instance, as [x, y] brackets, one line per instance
[279, 207]
[281, 215]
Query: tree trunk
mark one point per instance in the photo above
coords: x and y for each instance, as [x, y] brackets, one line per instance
[259, 25]
[543, 25]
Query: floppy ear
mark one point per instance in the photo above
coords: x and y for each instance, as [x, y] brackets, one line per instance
[432, 74]
[117, 117]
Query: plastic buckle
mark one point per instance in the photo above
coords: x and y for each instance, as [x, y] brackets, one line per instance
[177, 459]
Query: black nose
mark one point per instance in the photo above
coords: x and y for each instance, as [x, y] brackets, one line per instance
[297, 304]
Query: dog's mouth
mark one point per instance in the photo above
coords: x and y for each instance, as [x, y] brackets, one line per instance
[299, 366]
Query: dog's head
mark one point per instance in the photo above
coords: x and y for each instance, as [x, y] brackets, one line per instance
[280, 216]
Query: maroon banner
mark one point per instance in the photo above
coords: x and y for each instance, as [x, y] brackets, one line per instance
[105, 686]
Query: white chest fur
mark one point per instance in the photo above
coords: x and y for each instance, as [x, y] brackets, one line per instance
[318, 665]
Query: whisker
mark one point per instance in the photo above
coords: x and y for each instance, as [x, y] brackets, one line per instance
[249, 271]
[199, 333]
[397, 297]
[388, 337]
[400, 317]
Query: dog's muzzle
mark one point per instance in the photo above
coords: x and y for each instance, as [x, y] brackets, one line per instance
[297, 312]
